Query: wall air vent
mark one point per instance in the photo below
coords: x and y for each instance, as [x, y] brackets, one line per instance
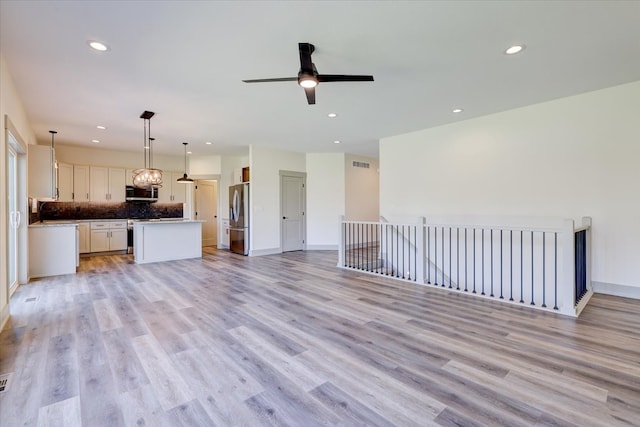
[357, 164]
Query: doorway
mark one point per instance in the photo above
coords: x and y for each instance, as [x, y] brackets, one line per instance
[206, 192]
[292, 211]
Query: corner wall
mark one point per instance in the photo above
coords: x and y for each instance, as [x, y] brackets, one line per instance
[264, 195]
[325, 199]
[572, 157]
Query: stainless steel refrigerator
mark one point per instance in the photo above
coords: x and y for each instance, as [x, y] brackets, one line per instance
[239, 218]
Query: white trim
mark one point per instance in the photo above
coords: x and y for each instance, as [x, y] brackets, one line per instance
[322, 247]
[260, 252]
[615, 289]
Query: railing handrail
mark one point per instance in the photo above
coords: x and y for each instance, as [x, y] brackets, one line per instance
[420, 250]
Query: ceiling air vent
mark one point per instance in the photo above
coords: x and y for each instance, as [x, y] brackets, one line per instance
[357, 164]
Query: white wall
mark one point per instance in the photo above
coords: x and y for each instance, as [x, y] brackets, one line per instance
[95, 156]
[362, 189]
[11, 106]
[325, 199]
[572, 157]
[203, 165]
[266, 164]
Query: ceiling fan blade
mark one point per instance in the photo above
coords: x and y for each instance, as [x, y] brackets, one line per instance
[306, 49]
[280, 79]
[343, 78]
[311, 94]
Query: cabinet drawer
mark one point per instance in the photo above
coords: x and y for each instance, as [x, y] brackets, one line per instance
[119, 224]
[99, 225]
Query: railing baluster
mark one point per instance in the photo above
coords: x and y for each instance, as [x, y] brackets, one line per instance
[491, 237]
[435, 251]
[450, 230]
[444, 281]
[474, 260]
[521, 269]
[532, 291]
[555, 284]
[510, 265]
[465, 260]
[501, 273]
[544, 276]
[458, 258]
[482, 243]
[428, 255]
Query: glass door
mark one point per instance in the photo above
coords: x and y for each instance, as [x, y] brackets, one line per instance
[14, 216]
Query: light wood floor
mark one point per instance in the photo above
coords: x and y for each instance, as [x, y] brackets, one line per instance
[291, 340]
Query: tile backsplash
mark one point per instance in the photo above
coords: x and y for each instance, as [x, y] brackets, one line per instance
[105, 210]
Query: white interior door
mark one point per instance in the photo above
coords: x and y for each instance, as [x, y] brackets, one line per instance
[207, 210]
[292, 193]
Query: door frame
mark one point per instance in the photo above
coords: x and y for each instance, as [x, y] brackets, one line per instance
[303, 175]
[18, 144]
[200, 181]
[191, 200]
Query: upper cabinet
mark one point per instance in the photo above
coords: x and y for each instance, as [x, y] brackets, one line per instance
[81, 183]
[42, 172]
[65, 182]
[171, 190]
[107, 184]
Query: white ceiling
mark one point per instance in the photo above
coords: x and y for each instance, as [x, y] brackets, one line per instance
[185, 60]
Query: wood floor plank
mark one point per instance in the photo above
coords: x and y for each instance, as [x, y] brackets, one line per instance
[64, 413]
[291, 340]
[169, 385]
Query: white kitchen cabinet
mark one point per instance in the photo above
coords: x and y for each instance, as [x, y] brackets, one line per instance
[65, 182]
[73, 183]
[107, 184]
[80, 183]
[41, 172]
[84, 242]
[52, 250]
[108, 236]
[172, 191]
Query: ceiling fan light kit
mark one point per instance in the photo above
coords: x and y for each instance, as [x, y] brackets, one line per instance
[308, 76]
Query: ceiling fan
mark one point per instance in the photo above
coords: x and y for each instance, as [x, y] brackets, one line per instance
[308, 76]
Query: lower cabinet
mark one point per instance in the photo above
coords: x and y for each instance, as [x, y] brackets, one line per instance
[84, 229]
[108, 236]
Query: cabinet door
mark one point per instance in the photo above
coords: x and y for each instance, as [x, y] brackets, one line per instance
[165, 193]
[65, 182]
[80, 183]
[179, 190]
[117, 184]
[41, 172]
[85, 238]
[98, 180]
[118, 239]
[99, 240]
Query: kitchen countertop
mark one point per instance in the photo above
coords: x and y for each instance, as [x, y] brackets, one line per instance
[164, 220]
[54, 224]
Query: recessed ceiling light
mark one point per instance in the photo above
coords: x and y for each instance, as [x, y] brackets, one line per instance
[332, 115]
[208, 143]
[336, 142]
[457, 110]
[101, 127]
[95, 141]
[188, 152]
[514, 49]
[99, 46]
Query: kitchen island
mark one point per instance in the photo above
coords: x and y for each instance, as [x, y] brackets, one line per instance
[166, 240]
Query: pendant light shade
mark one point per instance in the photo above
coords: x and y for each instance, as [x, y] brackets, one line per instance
[147, 177]
[185, 179]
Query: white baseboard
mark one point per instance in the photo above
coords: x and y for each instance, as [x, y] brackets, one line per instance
[260, 252]
[322, 247]
[625, 291]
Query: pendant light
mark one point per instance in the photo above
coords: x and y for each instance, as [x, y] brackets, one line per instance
[185, 179]
[147, 177]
